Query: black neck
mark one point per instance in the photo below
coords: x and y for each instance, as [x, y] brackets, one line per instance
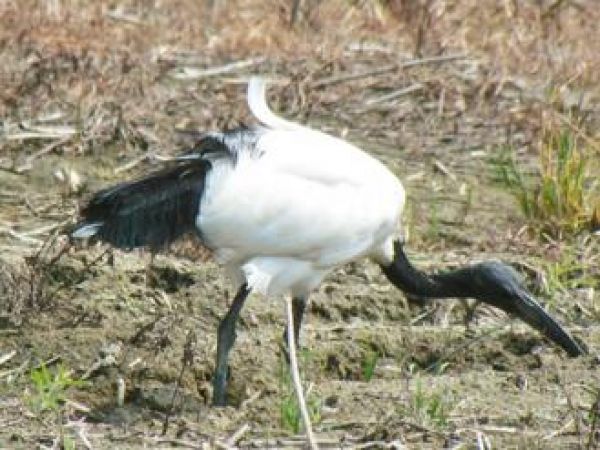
[492, 282]
[411, 280]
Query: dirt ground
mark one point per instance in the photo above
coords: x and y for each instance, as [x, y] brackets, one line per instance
[96, 92]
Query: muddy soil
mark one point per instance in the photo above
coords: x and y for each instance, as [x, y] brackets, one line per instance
[380, 372]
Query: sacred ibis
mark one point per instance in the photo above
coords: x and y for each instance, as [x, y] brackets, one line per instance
[282, 205]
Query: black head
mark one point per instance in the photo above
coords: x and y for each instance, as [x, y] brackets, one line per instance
[491, 282]
[501, 286]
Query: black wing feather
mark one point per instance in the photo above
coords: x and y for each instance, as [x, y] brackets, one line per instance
[150, 212]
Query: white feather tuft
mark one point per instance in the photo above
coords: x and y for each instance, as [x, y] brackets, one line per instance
[87, 230]
[257, 102]
[258, 279]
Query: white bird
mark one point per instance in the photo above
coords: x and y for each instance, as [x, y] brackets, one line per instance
[281, 206]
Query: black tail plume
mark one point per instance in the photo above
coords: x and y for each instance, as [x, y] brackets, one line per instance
[151, 212]
[491, 282]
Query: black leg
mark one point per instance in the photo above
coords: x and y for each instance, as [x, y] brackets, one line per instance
[298, 308]
[225, 339]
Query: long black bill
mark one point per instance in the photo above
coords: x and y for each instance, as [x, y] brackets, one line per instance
[491, 282]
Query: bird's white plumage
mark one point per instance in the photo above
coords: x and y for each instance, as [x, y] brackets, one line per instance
[257, 102]
[301, 204]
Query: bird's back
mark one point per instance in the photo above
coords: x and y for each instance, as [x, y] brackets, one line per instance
[300, 201]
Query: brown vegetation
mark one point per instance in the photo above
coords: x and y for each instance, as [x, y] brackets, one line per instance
[94, 92]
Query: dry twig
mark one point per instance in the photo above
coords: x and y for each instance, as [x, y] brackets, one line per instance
[192, 73]
[42, 132]
[187, 359]
[395, 94]
[7, 357]
[235, 437]
[28, 164]
[386, 69]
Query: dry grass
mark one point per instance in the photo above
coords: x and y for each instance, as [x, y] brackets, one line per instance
[91, 92]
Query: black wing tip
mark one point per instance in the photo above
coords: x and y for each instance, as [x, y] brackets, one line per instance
[150, 212]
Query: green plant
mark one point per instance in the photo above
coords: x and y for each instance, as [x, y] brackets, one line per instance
[291, 418]
[50, 388]
[593, 418]
[68, 443]
[368, 364]
[289, 409]
[49, 395]
[429, 408]
[567, 273]
[564, 196]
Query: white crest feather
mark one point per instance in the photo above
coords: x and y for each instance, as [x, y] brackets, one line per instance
[257, 102]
